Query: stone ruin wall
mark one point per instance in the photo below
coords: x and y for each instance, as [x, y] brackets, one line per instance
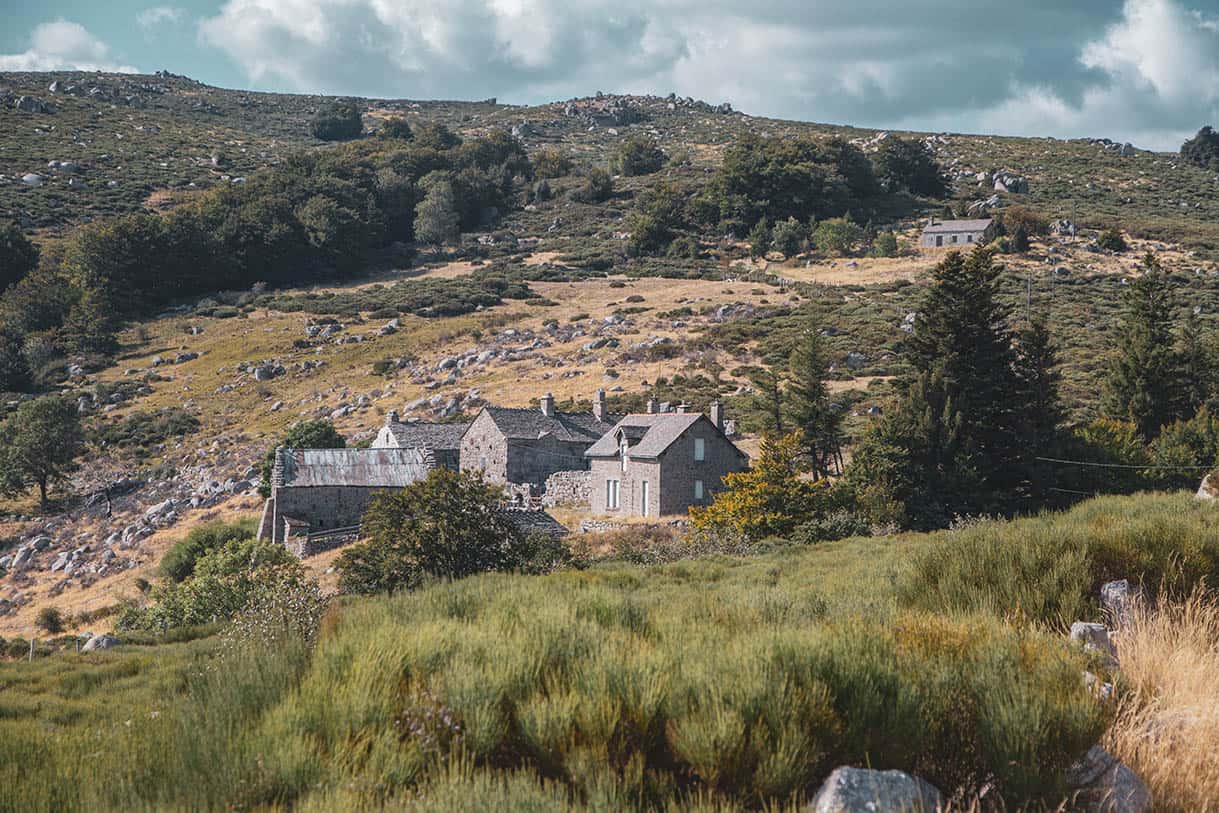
[568, 488]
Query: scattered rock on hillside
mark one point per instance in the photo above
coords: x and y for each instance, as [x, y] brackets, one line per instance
[1117, 599]
[1104, 785]
[860, 790]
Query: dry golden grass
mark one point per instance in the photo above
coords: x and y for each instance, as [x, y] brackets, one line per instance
[1167, 727]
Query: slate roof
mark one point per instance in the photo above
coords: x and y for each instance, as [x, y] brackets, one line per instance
[530, 424]
[957, 226]
[655, 433]
[370, 468]
[443, 436]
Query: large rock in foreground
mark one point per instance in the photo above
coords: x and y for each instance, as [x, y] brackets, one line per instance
[1104, 785]
[859, 790]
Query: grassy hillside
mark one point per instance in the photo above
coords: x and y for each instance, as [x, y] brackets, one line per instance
[717, 683]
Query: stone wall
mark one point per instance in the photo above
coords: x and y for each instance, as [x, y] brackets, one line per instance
[321, 508]
[302, 547]
[568, 488]
[484, 448]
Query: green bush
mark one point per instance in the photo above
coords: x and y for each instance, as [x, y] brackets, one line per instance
[639, 155]
[224, 581]
[178, 563]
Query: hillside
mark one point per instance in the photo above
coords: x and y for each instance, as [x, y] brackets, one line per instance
[576, 310]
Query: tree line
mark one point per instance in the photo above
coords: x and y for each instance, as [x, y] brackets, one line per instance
[320, 214]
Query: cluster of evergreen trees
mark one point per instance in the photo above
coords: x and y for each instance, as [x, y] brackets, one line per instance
[978, 427]
[318, 215]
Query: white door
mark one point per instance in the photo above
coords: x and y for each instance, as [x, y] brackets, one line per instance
[643, 508]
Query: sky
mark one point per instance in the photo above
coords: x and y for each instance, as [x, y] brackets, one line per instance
[1144, 71]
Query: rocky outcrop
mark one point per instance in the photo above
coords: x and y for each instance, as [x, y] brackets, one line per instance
[860, 790]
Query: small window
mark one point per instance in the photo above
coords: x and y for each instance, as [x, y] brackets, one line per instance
[698, 489]
[482, 462]
[700, 449]
[969, 238]
[611, 494]
[954, 238]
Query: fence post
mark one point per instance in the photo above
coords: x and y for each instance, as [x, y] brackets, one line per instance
[31, 650]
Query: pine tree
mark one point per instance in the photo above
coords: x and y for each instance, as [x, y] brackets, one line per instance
[1197, 364]
[1037, 369]
[954, 442]
[809, 405]
[1144, 385]
[768, 399]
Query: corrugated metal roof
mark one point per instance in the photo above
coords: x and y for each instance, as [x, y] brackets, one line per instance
[370, 468]
[957, 226]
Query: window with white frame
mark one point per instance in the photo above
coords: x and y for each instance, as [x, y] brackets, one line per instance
[698, 489]
[611, 494]
[700, 449]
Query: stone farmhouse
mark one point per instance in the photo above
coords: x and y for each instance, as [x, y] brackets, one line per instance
[442, 439]
[317, 493]
[526, 446]
[956, 233]
[654, 464]
[660, 464]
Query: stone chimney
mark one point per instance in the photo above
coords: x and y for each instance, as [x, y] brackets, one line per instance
[548, 405]
[682, 408]
[653, 406]
[599, 405]
[717, 415]
[391, 418]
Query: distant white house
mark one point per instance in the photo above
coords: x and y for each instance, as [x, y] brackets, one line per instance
[950, 233]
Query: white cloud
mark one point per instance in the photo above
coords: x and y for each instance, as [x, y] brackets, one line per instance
[151, 18]
[933, 64]
[63, 45]
[1161, 66]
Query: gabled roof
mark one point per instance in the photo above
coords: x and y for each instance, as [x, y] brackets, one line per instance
[421, 435]
[957, 226]
[370, 468]
[652, 434]
[530, 424]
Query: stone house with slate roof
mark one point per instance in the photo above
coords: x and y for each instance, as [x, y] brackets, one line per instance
[442, 439]
[320, 491]
[659, 464]
[957, 233]
[528, 445]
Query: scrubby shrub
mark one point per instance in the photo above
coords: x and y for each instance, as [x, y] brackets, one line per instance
[1112, 239]
[338, 121]
[639, 155]
[141, 430]
[550, 164]
[598, 187]
[396, 127]
[837, 524]
[178, 563]
[50, 620]
[789, 236]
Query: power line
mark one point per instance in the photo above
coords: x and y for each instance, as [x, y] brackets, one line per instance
[1119, 465]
